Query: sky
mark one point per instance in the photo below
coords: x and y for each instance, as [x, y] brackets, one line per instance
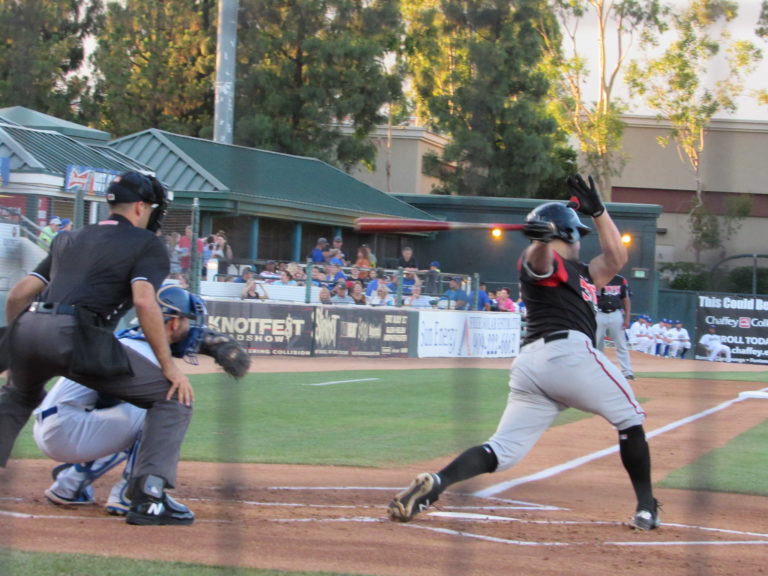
[744, 28]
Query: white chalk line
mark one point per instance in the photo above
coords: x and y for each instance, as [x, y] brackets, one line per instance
[576, 462]
[342, 382]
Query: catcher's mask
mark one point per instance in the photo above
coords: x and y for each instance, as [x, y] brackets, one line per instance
[175, 302]
[136, 187]
[565, 219]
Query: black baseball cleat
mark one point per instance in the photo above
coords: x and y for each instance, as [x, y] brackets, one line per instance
[152, 506]
[645, 519]
[420, 495]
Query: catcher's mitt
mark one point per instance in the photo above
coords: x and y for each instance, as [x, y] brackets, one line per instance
[226, 351]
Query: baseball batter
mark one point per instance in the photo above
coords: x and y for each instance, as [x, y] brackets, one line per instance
[558, 365]
[613, 315]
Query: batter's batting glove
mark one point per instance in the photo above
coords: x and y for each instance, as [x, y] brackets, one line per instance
[585, 199]
[540, 231]
[227, 353]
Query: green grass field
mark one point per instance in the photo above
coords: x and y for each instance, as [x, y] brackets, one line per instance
[368, 419]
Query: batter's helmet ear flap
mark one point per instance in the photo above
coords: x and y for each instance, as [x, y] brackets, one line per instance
[566, 220]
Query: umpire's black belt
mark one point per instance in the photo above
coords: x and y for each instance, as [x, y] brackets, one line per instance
[52, 308]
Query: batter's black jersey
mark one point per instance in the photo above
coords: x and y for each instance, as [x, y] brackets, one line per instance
[564, 300]
[95, 266]
[611, 296]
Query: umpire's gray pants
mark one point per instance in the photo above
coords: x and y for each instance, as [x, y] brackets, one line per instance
[41, 348]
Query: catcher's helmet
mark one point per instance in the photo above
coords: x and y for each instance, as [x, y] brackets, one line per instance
[565, 219]
[175, 302]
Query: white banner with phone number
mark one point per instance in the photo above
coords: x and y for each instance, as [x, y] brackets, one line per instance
[449, 334]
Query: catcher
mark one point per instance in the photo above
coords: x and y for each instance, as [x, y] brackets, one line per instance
[93, 433]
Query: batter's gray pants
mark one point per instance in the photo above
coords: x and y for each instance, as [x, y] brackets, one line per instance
[41, 348]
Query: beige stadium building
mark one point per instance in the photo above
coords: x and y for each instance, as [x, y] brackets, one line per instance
[734, 162]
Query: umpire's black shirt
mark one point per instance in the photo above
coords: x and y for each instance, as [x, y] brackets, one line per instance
[95, 266]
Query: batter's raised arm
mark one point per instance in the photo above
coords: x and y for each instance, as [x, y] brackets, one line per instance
[585, 199]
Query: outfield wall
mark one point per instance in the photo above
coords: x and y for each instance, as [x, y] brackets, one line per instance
[274, 329]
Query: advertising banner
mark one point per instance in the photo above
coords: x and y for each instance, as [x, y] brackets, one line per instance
[445, 334]
[360, 331]
[264, 329]
[88, 180]
[741, 323]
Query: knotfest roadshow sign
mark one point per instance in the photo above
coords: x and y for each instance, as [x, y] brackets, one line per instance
[741, 323]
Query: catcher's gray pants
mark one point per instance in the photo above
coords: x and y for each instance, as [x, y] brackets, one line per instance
[612, 324]
[41, 347]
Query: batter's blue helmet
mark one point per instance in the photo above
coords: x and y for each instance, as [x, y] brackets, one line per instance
[565, 219]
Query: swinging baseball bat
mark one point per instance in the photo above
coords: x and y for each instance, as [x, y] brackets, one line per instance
[417, 225]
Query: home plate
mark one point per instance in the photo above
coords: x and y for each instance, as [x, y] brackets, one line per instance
[754, 394]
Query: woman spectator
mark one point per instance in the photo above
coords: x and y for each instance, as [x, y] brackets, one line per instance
[358, 295]
[286, 279]
[172, 243]
[363, 261]
[382, 297]
[254, 290]
[325, 295]
[222, 251]
[503, 302]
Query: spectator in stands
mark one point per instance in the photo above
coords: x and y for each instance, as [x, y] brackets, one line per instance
[297, 272]
[504, 302]
[483, 299]
[48, 233]
[381, 297]
[325, 295]
[172, 244]
[222, 251]
[254, 290]
[318, 253]
[353, 276]
[338, 245]
[286, 279]
[433, 278]
[407, 259]
[333, 274]
[377, 275]
[416, 299]
[363, 261]
[341, 295]
[409, 281]
[66, 225]
[185, 250]
[270, 274]
[246, 275]
[456, 296]
[334, 257]
[178, 279]
[358, 294]
[371, 256]
[318, 275]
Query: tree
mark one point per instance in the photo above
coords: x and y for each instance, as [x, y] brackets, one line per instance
[762, 32]
[154, 65]
[676, 85]
[476, 69]
[42, 51]
[596, 124]
[306, 66]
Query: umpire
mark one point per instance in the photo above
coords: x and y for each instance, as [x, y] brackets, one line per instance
[90, 279]
[613, 318]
